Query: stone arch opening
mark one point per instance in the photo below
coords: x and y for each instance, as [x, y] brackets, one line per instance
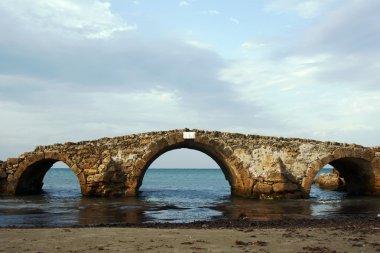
[60, 180]
[356, 171]
[30, 176]
[207, 150]
[357, 174]
[184, 173]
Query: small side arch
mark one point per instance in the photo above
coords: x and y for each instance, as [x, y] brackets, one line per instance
[220, 153]
[28, 178]
[354, 165]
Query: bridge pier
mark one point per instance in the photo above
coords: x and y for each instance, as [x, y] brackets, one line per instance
[257, 167]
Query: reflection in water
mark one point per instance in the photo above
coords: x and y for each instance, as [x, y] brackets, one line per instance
[110, 211]
[47, 211]
[235, 208]
[171, 196]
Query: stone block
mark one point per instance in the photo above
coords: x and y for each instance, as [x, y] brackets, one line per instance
[317, 165]
[107, 159]
[262, 188]
[346, 152]
[51, 154]
[327, 159]
[140, 163]
[145, 141]
[12, 161]
[275, 177]
[98, 178]
[91, 160]
[116, 178]
[11, 188]
[368, 154]
[203, 139]
[90, 179]
[91, 171]
[87, 166]
[358, 152]
[377, 181]
[3, 174]
[171, 139]
[10, 177]
[284, 187]
[376, 166]
[102, 177]
[33, 158]
[102, 168]
[87, 190]
[227, 151]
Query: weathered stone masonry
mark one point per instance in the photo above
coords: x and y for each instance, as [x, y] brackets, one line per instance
[255, 166]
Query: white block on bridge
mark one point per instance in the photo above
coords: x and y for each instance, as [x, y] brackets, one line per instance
[188, 135]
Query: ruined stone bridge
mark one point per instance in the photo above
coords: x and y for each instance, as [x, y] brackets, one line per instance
[255, 166]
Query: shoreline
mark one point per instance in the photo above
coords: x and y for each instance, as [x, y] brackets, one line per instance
[365, 222]
[356, 236]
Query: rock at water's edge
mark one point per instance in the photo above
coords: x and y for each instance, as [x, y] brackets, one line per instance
[330, 181]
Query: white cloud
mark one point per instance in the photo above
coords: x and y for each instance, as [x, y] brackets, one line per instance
[183, 3]
[323, 83]
[335, 30]
[248, 45]
[214, 12]
[84, 89]
[234, 20]
[88, 115]
[303, 8]
[354, 56]
[254, 79]
[89, 19]
[291, 90]
[198, 44]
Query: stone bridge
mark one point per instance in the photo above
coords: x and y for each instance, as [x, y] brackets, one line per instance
[255, 166]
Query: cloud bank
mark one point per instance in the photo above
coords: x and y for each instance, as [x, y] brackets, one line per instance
[73, 70]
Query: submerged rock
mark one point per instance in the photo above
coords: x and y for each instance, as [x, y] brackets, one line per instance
[330, 181]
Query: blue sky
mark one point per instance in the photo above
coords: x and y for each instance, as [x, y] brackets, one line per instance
[77, 70]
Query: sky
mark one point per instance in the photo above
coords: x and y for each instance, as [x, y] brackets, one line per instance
[80, 70]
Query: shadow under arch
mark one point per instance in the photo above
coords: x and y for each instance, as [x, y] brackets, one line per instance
[30, 174]
[201, 147]
[354, 167]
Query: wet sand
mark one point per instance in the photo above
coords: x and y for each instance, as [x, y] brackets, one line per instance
[348, 235]
[187, 240]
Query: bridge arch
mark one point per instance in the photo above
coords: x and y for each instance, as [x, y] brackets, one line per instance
[221, 153]
[28, 178]
[354, 165]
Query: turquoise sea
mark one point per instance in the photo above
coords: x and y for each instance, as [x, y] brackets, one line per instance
[168, 195]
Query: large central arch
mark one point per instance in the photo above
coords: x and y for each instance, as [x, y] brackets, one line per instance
[194, 146]
[219, 152]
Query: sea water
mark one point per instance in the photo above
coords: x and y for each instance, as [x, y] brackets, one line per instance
[168, 195]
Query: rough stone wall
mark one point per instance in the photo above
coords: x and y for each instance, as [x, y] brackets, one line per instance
[256, 166]
[376, 168]
[3, 177]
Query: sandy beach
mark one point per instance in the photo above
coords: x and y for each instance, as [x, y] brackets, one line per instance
[105, 239]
